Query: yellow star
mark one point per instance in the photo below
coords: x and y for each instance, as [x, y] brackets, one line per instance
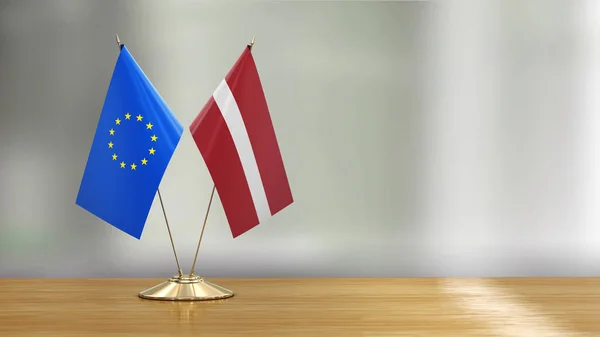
[110, 145]
[139, 118]
[133, 166]
[128, 116]
[114, 156]
[112, 132]
[122, 164]
[152, 150]
[118, 121]
[149, 126]
[144, 161]
[154, 138]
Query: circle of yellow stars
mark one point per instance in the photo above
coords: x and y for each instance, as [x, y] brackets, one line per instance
[151, 151]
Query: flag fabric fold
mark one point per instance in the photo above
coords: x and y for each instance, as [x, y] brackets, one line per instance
[135, 139]
[235, 136]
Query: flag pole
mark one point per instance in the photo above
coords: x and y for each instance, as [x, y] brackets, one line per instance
[120, 45]
[169, 230]
[190, 287]
[250, 45]
[203, 226]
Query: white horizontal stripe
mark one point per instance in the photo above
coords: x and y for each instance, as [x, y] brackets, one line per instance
[231, 113]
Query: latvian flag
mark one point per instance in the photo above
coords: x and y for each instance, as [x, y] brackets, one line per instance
[235, 136]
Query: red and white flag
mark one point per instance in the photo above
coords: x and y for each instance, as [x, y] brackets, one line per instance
[235, 136]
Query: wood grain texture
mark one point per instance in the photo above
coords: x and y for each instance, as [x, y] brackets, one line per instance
[306, 307]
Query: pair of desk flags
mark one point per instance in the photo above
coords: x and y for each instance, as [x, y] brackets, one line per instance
[137, 135]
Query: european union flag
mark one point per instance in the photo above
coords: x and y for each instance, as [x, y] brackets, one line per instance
[135, 139]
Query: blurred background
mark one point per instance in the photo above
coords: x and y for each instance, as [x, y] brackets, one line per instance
[421, 138]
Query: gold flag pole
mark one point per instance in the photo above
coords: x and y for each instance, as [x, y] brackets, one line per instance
[203, 226]
[209, 203]
[189, 287]
[162, 206]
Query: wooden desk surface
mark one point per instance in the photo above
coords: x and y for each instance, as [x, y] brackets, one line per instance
[307, 307]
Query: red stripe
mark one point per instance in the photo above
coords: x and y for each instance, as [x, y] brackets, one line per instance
[244, 82]
[212, 136]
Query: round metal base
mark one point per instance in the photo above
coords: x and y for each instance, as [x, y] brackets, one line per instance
[186, 288]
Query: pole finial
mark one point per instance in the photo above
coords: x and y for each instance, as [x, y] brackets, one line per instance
[251, 42]
[118, 41]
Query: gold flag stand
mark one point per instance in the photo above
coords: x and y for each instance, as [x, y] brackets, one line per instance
[190, 287]
[186, 288]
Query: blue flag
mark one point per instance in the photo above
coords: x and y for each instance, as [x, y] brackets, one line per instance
[135, 139]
